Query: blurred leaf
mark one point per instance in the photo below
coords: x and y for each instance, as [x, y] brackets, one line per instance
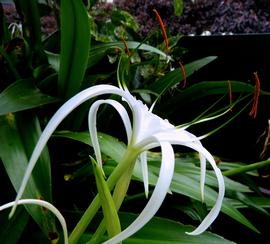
[176, 77]
[160, 230]
[99, 51]
[109, 145]
[109, 209]
[12, 229]
[205, 89]
[123, 70]
[54, 60]
[29, 131]
[263, 202]
[178, 7]
[183, 181]
[22, 95]
[4, 34]
[188, 184]
[187, 166]
[124, 18]
[18, 135]
[29, 12]
[252, 205]
[75, 46]
[11, 60]
[164, 231]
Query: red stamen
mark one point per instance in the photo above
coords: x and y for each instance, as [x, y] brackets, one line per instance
[162, 26]
[183, 73]
[230, 94]
[254, 109]
[126, 46]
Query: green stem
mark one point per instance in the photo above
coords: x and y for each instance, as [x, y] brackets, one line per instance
[119, 194]
[246, 168]
[128, 159]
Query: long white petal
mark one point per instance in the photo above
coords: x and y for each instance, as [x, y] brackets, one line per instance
[144, 168]
[58, 117]
[203, 174]
[92, 123]
[212, 215]
[187, 139]
[44, 204]
[159, 193]
[183, 137]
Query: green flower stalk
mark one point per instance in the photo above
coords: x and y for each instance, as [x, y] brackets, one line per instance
[145, 131]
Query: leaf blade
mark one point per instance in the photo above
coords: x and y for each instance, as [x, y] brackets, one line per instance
[75, 46]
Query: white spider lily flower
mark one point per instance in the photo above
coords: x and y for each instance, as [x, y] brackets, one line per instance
[43, 204]
[147, 131]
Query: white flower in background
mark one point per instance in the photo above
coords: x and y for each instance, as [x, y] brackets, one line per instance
[145, 132]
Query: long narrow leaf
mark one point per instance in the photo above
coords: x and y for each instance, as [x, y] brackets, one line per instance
[175, 77]
[18, 134]
[109, 145]
[164, 231]
[108, 207]
[29, 12]
[99, 51]
[182, 184]
[75, 45]
[208, 88]
[22, 95]
[11, 232]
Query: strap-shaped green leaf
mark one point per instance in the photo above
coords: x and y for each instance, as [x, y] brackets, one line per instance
[182, 182]
[18, 135]
[29, 12]
[175, 77]
[108, 206]
[75, 45]
[22, 95]
[164, 231]
[11, 232]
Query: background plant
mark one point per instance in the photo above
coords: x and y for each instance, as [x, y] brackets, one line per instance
[39, 72]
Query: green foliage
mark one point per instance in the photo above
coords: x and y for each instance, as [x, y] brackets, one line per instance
[178, 7]
[23, 95]
[19, 134]
[108, 206]
[102, 46]
[154, 232]
[4, 35]
[11, 232]
[75, 45]
[186, 178]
